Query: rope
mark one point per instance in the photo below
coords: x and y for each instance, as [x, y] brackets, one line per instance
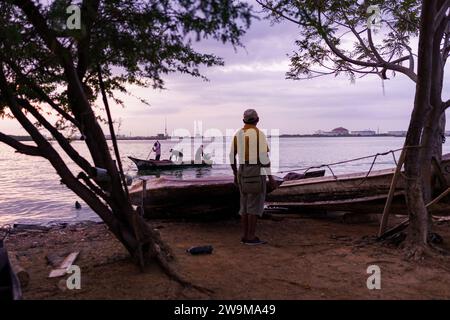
[374, 156]
[341, 162]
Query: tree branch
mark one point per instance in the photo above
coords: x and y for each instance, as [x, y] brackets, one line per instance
[373, 47]
[19, 147]
[34, 87]
[62, 141]
[441, 14]
[50, 153]
[446, 105]
[89, 10]
[320, 29]
[79, 103]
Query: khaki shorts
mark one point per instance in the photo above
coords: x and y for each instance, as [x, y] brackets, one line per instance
[253, 203]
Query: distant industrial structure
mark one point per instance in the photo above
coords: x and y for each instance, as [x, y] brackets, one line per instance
[397, 133]
[335, 132]
[341, 131]
[364, 133]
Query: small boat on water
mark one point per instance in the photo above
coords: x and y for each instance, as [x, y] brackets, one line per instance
[9, 283]
[155, 165]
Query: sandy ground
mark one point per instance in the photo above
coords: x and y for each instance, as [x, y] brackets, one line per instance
[304, 259]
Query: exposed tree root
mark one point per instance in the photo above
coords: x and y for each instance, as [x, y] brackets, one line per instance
[174, 275]
[154, 248]
[416, 252]
[421, 252]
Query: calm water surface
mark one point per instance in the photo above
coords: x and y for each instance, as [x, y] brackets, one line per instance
[30, 191]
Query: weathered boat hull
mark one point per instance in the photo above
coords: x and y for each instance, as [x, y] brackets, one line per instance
[350, 192]
[167, 197]
[172, 198]
[154, 165]
[207, 197]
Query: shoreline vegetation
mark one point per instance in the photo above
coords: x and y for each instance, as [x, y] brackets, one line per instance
[305, 258]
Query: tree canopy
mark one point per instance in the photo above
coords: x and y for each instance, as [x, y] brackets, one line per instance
[336, 36]
[134, 42]
[48, 67]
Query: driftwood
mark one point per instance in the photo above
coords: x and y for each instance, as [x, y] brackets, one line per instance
[55, 259]
[64, 266]
[29, 227]
[21, 273]
[396, 229]
[405, 223]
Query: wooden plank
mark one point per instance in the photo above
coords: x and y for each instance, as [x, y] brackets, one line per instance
[394, 230]
[333, 202]
[65, 265]
[405, 223]
[438, 198]
[387, 207]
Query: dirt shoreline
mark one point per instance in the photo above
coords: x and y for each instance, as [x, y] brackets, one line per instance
[304, 259]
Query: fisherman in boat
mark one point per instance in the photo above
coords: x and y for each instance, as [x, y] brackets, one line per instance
[199, 155]
[177, 155]
[250, 145]
[157, 150]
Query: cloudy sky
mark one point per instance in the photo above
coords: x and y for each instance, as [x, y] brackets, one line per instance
[254, 77]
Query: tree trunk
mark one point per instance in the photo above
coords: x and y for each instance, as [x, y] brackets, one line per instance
[418, 214]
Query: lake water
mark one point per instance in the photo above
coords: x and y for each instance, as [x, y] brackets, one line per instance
[30, 191]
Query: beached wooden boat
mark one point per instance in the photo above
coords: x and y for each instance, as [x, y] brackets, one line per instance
[349, 192]
[170, 197]
[357, 192]
[9, 283]
[155, 165]
[206, 197]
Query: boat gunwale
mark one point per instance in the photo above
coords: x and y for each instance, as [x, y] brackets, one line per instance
[350, 176]
[339, 178]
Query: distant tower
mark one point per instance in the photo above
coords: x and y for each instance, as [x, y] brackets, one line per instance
[165, 128]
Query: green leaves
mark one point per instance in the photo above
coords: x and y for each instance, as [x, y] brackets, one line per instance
[135, 42]
[334, 36]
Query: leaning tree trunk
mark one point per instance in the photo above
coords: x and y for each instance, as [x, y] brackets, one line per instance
[423, 161]
[418, 214]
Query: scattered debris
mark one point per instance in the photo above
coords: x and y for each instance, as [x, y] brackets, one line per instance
[396, 239]
[55, 259]
[200, 250]
[435, 238]
[64, 266]
[29, 227]
[340, 238]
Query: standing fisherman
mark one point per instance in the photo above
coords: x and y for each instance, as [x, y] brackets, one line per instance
[157, 149]
[199, 155]
[250, 144]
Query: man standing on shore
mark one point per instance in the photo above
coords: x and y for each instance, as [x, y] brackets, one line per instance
[250, 145]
